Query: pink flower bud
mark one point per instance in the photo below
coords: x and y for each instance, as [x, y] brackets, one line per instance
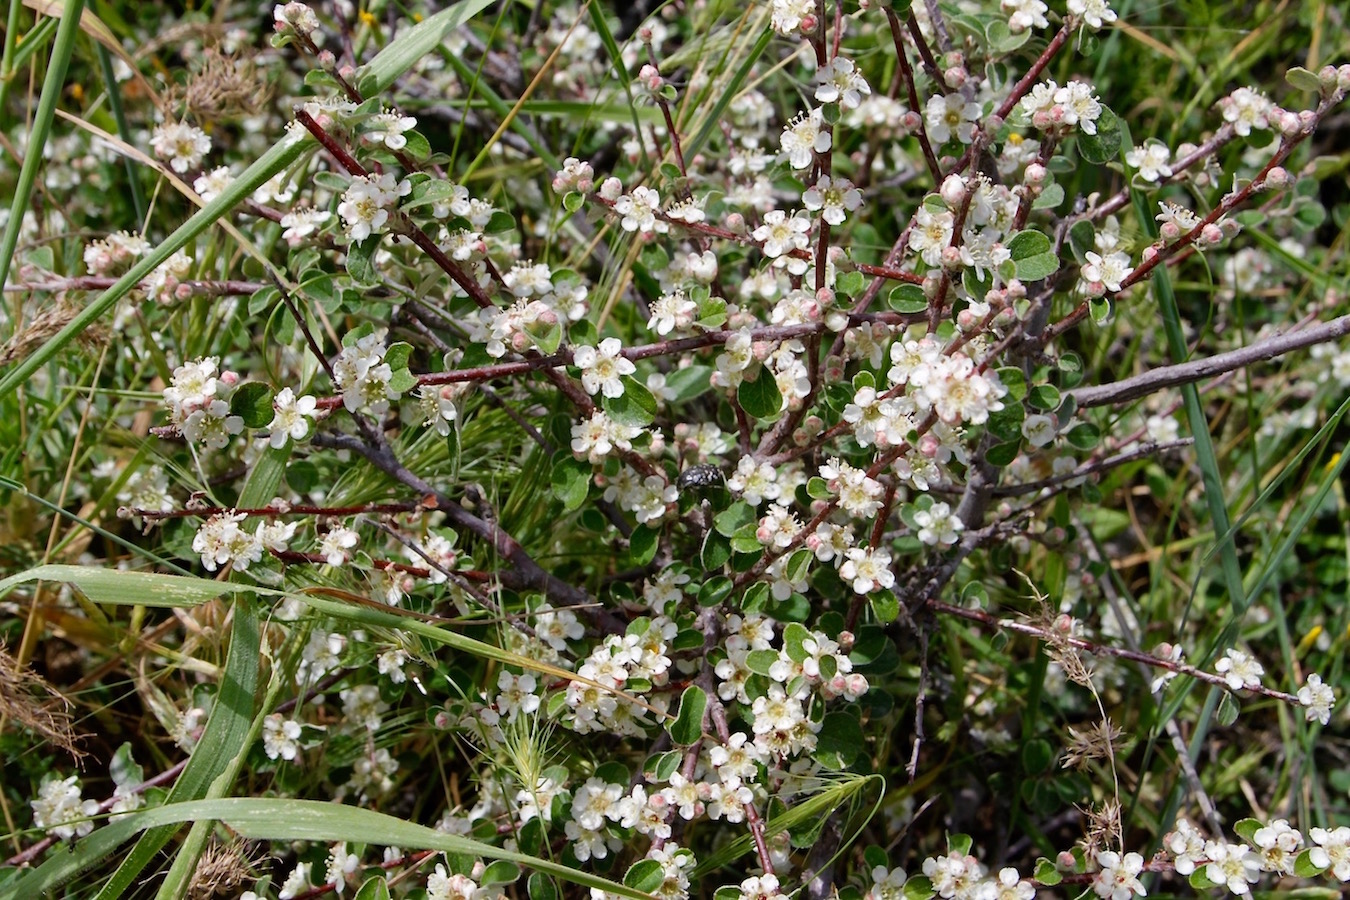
[956, 76]
[1277, 178]
[1327, 75]
[953, 190]
[327, 61]
[1170, 232]
[967, 320]
[1343, 78]
[1034, 175]
[825, 297]
[228, 378]
[1211, 235]
[910, 120]
[809, 23]
[1149, 253]
[645, 34]
[735, 223]
[951, 258]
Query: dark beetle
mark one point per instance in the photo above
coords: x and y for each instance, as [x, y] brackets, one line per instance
[700, 478]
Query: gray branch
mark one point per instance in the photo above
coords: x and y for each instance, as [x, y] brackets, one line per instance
[1196, 370]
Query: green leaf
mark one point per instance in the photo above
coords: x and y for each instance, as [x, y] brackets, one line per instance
[636, 407]
[1037, 756]
[1228, 710]
[885, 606]
[398, 354]
[1304, 867]
[1200, 881]
[573, 201]
[688, 724]
[1035, 268]
[1247, 828]
[959, 844]
[376, 888]
[252, 402]
[1026, 244]
[690, 382]
[907, 298]
[120, 588]
[734, 517]
[1047, 873]
[1003, 454]
[1051, 195]
[840, 740]
[760, 398]
[646, 875]
[1044, 396]
[361, 261]
[1102, 147]
[500, 872]
[1301, 79]
[411, 45]
[1084, 436]
[918, 888]
[715, 590]
[571, 481]
[642, 544]
[760, 661]
[1014, 380]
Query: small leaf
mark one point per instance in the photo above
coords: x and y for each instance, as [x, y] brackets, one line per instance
[715, 590]
[688, 724]
[1051, 195]
[1102, 147]
[571, 481]
[642, 544]
[760, 661]
[1044, 396]
[885, 606]
[840, 740]
[1304, 867]
[636, 407]
[731, 519]
[499, 223]
[1247, 828]
[252, 402]
[1200, 881]
[646, 875]
[500, 872]
[374, 889]
[1084, 436]
[1026, 244]
[760, 398]
[402, 381]
[1046, 873]
[361, 261]
[1228, 711]
[907, 298]
[573, 201]
[1035, 268]
[918, 888]
[1102, 310]
[1003, 454]
[398, 355]
[1037, 755]
[1303, 80]
[959, 844]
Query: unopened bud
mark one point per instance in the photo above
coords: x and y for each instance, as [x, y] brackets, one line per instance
[951, 258]
[809, 23]
[228, 378]
[1149, 253]
[1289, 126]
[327, 61]
[956, 76]
[645, 34]
[735, 223]
[1343, 78]
[1211, 235]
[953, 190]
[1035, 174]
[1327, 75]
[931, 285]
[1169, 232]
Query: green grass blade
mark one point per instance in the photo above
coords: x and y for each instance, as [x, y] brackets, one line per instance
[66, 34]
[410, 46]
[271, 162]
[286, 820]
[218, 752]
[727, 95]
[123, 129]
[616, 59]
[120, 588]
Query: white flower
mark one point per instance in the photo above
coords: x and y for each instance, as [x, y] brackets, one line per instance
[1094, 13]
[1118, 878]
[932, 233]
[603, 368]
[442, 886]
[301, 223]
[294, 17]
[388, 128]
[804, 137]
[938, 525]
[951, 115]
[211, 425]
[868, 569]
[1332, 850]
[1039, 429]
[211, 184]
[672, 312]
[1108, 271]
[437, 403]
[181, 145]
[58, 805]
[1247, 109]
[366, 203]
[1079, 106]
[1232, 865]
[1277, 844]
[220, 541]
[335, 543]
[782, 234]
[281, 737]
[296, 882]
[1186, 845]
[1024, 14]
[839, 81]
[289, 417]
[832, 197]
[1317, 699]
[340, 865]
[788, 14]
[639, 211]
[1239, 670]
[1151, 160]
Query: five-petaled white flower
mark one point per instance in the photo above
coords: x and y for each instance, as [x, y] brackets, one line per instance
[603, 367]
